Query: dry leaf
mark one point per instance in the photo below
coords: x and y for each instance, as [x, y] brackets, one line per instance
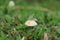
[45, 36]
[23, 38]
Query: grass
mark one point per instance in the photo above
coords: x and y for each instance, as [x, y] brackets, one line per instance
[12, 23]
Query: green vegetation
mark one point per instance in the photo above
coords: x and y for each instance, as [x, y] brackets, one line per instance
[12, 20]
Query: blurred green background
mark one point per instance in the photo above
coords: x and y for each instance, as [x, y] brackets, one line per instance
[12, 20]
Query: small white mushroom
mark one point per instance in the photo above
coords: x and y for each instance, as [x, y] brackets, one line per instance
[11, 4]
[30, 23]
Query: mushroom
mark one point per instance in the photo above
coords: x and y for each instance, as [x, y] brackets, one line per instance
[11, 4]
[31, 22]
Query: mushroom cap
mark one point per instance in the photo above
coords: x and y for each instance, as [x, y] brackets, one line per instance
[11, 3]
[30, 23]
